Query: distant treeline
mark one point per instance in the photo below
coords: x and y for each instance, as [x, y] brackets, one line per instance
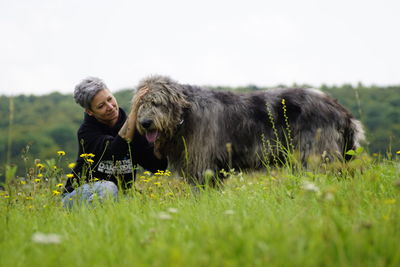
[36, 127]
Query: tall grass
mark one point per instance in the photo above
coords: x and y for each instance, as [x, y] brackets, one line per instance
[336, 215]
[324, 218]
[10, 133]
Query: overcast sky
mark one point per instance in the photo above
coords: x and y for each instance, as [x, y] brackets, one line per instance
[50, 45]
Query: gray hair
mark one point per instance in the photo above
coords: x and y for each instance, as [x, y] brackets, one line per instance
[87, 89]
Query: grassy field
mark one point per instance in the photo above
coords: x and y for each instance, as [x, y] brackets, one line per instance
[347, 216]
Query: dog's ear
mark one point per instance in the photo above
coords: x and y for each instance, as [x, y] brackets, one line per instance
[176, 94]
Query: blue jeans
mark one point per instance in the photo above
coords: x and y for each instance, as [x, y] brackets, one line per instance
[87, 192]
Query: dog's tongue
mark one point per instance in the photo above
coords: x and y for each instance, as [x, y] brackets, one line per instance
[151, 136]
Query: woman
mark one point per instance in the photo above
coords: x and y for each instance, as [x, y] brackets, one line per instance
[109, 146]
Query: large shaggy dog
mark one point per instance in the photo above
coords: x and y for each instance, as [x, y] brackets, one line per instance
[199, 129]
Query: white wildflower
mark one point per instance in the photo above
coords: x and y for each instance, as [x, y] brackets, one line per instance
[229, 212]
[43, 238]
[329, 196]
[310, 187]
[172, 210]
[164, 216]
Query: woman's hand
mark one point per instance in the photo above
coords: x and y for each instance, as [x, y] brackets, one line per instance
[136, 99]
[128, 129]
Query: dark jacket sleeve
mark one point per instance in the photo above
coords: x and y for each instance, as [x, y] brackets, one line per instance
[102, 145]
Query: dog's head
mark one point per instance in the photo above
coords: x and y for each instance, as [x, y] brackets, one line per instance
[161, 109]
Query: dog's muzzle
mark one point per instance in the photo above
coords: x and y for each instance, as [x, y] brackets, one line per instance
[151, 134]
[146, 123]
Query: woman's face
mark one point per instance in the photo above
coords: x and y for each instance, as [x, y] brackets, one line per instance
[104, 108]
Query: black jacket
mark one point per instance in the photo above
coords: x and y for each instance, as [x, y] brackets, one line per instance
[112, 160]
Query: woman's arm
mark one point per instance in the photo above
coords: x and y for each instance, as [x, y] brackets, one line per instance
[127, 130]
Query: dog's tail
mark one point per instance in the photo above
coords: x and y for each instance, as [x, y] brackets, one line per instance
[354, 137]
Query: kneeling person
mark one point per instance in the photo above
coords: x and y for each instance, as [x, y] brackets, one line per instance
[109, 146]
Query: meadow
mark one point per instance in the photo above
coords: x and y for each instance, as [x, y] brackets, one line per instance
[345, 215]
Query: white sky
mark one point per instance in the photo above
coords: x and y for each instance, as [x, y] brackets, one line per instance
[50, 45]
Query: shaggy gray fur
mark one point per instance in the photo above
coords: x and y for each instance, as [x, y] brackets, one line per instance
[192, 126]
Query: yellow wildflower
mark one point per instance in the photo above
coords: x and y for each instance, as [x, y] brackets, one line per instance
[40, 175]
[22, 182]
[59, 185]
[163, 173]
[90, 161]
[39, 165]
[70, 175]
[398, 152]
[71, 165]
[61, 153]
[85, 155]
[157, 183]
[56, 192]
[283, 101]
[29, 198]
[159, 172]
[390, 201]
[37, 180]
[146, 173]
